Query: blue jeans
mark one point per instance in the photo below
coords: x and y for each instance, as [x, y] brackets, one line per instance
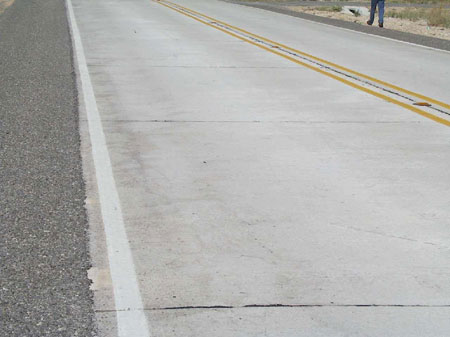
[373, 6]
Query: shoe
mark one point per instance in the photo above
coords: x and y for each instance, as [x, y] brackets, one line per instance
[369, 23]
[380, 25]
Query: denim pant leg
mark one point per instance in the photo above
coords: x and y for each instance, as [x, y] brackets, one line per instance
[373, 7]
[380, 11]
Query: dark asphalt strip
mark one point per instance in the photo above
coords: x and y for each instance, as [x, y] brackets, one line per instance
[44, 288]
[373, 30]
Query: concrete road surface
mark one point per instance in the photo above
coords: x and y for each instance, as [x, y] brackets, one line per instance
[237, 188]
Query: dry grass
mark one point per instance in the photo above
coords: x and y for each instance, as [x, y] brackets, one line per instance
[5, 4]
[430, 2]
[437, 16]
[329, 8]
[411, 14]
[420, 26]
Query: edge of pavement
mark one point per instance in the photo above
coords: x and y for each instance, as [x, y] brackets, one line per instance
[415, 39]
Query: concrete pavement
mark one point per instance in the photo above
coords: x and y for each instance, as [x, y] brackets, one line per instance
[283, 8]
[341, 3]
[259, 196]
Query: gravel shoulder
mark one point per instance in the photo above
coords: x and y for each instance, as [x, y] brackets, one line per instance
[43, 227]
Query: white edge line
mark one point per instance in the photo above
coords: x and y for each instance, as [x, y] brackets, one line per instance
[131, 320]
[346, 29]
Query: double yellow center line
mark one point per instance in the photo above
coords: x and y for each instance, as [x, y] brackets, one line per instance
[335, 71]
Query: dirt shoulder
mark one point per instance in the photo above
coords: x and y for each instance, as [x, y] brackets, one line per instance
[5, 4]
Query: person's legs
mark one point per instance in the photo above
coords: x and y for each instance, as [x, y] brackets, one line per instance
[373, 6]
[380, 12]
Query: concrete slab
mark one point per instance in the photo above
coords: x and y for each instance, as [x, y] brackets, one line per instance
[399, 63]
[245, 179]
[263, 213]
[314, 322]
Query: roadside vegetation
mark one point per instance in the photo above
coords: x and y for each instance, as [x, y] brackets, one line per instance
[437, 16]
[422, 2]
[5, 4]
[412, 2]
[329, 8]
[423, 17]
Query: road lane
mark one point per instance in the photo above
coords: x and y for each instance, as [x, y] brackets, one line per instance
[396, 35]
[248, 180]
[393, 61]
[425, 106]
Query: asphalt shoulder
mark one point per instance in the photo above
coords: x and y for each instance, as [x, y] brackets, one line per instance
[43, 225]
[372, 30]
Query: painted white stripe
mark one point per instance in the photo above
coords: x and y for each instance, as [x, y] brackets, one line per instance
[131, 320]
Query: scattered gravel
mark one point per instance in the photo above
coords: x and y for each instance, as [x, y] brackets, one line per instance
[44, 288]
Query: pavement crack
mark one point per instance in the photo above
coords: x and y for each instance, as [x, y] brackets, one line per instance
[253, 121]
[280, 305]
[378, 233]
[198, 67]
[342, 305]
[194, 307]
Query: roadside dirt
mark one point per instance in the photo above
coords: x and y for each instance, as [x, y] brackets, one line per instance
[5, 4]
[418, 27]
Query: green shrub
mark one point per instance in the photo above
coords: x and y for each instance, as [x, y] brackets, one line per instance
[329, 9]
[336, 9]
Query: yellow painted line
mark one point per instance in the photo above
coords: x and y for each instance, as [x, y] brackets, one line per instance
[354, 85]
[334, 65]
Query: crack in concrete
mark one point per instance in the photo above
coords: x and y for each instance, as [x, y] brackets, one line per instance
[293, 67]
[255, 121]
[389, 235]
[279, 305]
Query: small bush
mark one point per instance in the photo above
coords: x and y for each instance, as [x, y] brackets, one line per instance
[407, 14]
[418, 1]
[439, 17]
[329, 9]
[436, 16]
[336, 9]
